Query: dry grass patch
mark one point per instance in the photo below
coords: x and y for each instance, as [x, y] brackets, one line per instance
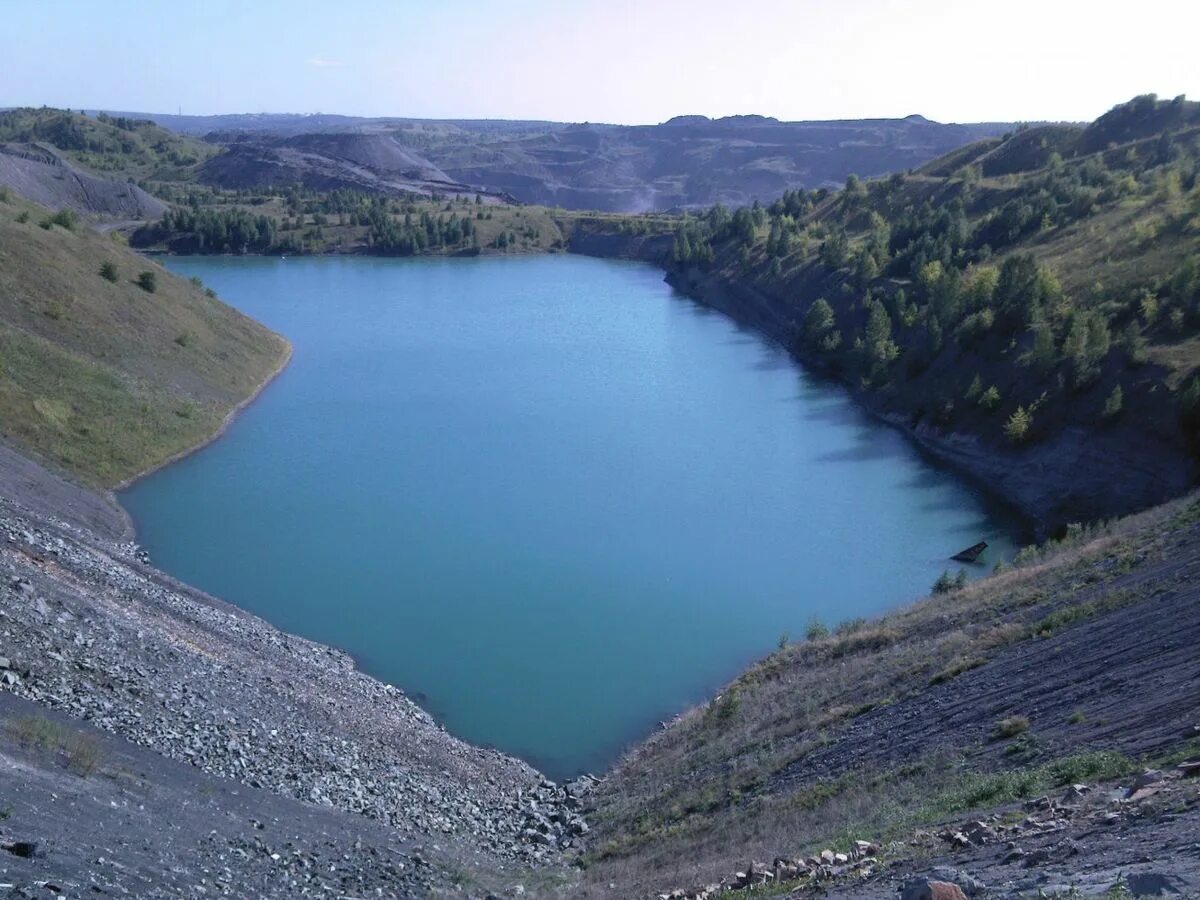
[76, 751]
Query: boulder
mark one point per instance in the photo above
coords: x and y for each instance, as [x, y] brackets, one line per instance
[759, 873]
[865, 848]
[928, 889]
[1189, 767]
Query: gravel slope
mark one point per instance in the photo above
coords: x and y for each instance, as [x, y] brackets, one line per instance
[93, 631]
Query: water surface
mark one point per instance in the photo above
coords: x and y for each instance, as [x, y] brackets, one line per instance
[547, 495]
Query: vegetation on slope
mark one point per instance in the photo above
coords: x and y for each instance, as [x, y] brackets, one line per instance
[136, 149]
[300, 221]
[967, 700]
[110, 365]
[1011, 291]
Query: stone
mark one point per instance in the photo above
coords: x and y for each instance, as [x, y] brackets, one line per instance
[759, 873]
[928, 889]
[979, 833]
[23, 849]
[785, 870]
[970, 885]
[865, 848]
[579, 788]
[1074, 792]
[1147, 778]
[1189, 767]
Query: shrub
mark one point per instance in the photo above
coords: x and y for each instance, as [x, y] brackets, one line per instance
[108, 271]
[948, 582]
[989, 399]
[148, 281]
[5, 194]
[64, 218]
[183, 338]
[956, 667]
[84, 754]
[23, 217]
[816, 629]
[850, 626]
[1010, 727]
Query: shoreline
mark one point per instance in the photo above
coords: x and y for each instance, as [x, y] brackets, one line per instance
[226, 422]
[1069, 477]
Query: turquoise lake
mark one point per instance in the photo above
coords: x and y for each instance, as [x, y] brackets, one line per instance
[548, 496]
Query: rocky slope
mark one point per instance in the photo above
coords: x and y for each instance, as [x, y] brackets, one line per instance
[1078, 666]
[687, 162]
[40, 173]
[372, 163]
[694, 161]
[89, 629]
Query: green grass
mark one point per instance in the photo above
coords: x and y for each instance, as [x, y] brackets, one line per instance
[93, 377]
[133, 149]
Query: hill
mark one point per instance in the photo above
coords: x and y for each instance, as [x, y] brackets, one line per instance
[687, 162]
[43, 175]
[129, 148]
[109, 364]
[375, 163]
[1038, 327]
[694, 161]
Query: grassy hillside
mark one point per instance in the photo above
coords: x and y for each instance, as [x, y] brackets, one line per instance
[131, 148]
[100, 375]
[970, 700]
[1016, 295]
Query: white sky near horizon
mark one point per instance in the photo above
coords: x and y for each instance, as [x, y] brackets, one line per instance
[621, 61]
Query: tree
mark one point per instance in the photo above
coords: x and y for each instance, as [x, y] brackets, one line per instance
[148, 281]
[1017, 291]
[989, 399]
[1086, 345]
[834, 250]
[1114, 403]
[108, 271]
[819, 320]
[881, 349]
[1018, 425]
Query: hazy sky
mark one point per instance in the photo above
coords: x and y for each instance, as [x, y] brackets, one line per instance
[632, 61]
